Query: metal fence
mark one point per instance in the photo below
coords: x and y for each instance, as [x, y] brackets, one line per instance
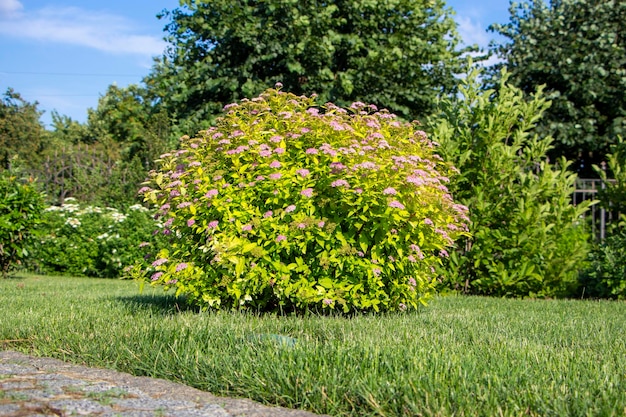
[599, 217]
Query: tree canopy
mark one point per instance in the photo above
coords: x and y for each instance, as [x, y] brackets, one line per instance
[577, 49]
[397, 54]
[21, 132]
[127, 117]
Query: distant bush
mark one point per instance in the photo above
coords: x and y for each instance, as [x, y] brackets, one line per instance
[606, 275]
[82, 240]
[21, 206]
[527, 237]
[286, 205]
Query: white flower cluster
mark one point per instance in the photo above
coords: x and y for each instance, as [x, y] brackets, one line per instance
[91, 209]
[117, 216]
[72, 221]
[75, 210]
[138, 207]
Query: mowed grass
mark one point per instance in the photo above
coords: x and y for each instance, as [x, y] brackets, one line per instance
[461, 356]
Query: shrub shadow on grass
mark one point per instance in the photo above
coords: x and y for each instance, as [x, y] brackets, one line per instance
[13, 276]
[166, 304]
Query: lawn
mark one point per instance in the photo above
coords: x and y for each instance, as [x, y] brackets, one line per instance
[461, 356]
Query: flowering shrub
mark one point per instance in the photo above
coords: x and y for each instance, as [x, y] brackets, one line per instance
[91, 241]
[20, 209]
[282, 205]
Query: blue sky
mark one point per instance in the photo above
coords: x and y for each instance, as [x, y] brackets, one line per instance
[64, 53]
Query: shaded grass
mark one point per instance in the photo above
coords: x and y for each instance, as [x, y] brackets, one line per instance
[460, 356]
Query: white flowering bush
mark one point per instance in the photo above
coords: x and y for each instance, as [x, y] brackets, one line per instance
[84, 240]
[286, 205]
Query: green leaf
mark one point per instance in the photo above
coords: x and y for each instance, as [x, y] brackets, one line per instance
[326, 283]
[248, 247]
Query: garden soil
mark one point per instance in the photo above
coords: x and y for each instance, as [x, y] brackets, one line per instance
[37, 387]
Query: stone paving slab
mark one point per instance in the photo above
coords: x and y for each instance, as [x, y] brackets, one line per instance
[46, 387]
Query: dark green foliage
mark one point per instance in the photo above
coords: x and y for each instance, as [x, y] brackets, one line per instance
[606, 275]
[65, 130]
[21, 132]
[397, 55]
[20, 209]
[126, 117]
[577, 49]
[526, 240]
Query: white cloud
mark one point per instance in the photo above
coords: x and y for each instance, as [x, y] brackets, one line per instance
[472, 32]
[10, 7]
[75, 26]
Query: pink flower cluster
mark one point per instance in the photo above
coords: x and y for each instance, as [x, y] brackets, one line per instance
[340, 183]
[396, 204]
[159, 262]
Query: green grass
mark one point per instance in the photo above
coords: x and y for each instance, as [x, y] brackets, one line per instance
[461, 356]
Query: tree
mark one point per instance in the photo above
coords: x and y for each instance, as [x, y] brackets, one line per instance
[21, 132]
[128, 119]
[577, 49]
[65, 130]
[398, 54]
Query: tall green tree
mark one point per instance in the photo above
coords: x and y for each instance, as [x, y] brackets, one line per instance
[398, 54]
[127, 118]
[577, 49]
[21, 132]
[65, 130]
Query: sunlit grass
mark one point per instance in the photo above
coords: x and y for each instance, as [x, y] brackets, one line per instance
[460, 356]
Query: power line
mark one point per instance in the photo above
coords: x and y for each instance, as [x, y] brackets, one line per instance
[67, 95]
[70, 74]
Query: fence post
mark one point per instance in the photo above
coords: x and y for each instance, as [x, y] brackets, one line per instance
[602, 210]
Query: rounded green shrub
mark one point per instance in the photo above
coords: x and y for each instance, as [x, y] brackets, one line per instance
[21, 206]
[84, 240]
[286, 205]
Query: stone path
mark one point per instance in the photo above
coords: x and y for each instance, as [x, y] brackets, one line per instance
[37, 387]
